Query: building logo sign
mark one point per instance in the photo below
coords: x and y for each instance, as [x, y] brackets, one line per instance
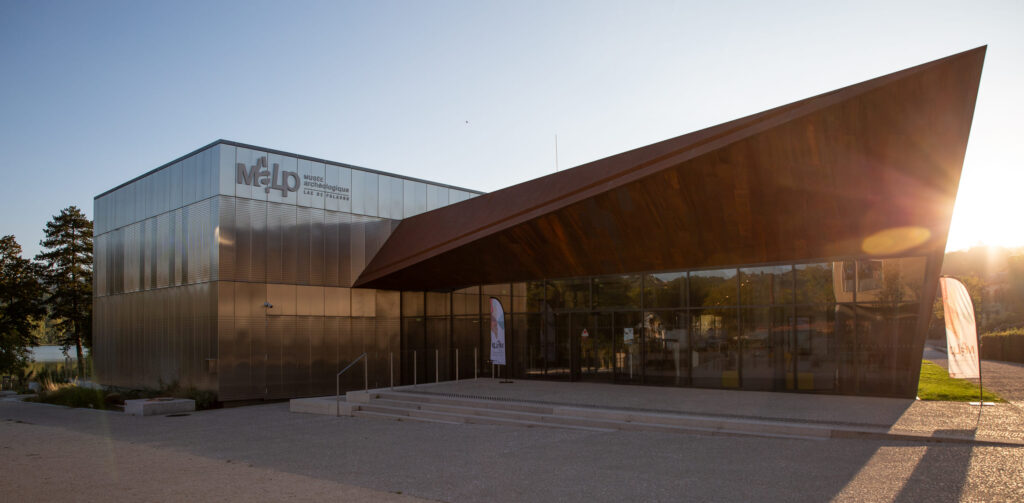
[317, 186]
[258, 175]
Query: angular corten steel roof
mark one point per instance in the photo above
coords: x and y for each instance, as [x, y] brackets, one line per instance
[870, 168]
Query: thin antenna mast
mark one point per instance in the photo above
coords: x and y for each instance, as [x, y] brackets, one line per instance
[556, 153]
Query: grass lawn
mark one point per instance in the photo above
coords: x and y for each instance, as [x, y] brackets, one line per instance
[935, 384]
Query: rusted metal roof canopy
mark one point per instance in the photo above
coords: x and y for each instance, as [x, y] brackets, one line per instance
[869, 168]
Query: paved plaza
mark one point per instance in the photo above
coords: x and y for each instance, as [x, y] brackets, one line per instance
[264, 453]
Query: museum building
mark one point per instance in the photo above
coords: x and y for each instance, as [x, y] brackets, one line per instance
[797, 249]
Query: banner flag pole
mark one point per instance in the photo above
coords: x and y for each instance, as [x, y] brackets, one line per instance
[498, 337]
[962, 348]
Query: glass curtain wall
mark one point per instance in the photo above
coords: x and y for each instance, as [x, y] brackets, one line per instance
[835, 327]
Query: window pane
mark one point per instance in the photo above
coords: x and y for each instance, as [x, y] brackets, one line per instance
[761, 286]
[535, 296]
[438, 304]
[597, 354]
[667, 289]
[667, 352]
[765, 334]
[815, 283]
[569, 293]
[815, 348]
[713, 288]
[715, 348]
[466, 301]
[622, 292]
[466, 336]
[869, 275]
[627, 328]
[848, 273]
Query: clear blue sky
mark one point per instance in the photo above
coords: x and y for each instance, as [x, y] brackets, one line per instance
[93, 94]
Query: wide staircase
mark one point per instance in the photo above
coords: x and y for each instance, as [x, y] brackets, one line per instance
[441, 408]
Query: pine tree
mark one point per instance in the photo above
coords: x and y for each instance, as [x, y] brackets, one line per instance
[20, 305]
[67, 275]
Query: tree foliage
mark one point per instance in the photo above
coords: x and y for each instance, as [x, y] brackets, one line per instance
[20, 307]
[67, 275]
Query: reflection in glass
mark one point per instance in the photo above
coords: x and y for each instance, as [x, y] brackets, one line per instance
[596, 348]
[869, 275]
[848, 269]
[627, 330]
[761, 286]
[569, 293]
[815, 348]
[467, 336]
[535, 296]
[815, 283]
[665, 290]
[534, 362]
[715, 354]
[559, 354]
[617, 292]
[791, 327]
[766, 342]
[846, 345]
[667, 352]
[713, 288]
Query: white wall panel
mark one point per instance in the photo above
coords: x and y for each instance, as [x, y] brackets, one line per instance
[225, 169]
[415, 198]
[437, 197]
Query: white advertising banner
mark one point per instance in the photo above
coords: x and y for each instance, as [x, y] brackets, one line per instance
[961, 331]
[497, 332]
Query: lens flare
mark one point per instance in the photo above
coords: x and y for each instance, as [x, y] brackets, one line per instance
[895, 240]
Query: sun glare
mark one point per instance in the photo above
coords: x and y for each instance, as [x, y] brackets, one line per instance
[987, 210]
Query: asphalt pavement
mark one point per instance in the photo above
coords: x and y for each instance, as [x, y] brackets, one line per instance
[264, 453]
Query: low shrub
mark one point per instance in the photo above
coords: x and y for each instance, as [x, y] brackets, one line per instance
[205, 399]
[74, 396]
[69, 394]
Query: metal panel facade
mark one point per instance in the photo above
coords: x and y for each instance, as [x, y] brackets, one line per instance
[188, 256]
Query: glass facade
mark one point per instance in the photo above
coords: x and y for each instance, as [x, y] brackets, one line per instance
[804, 327]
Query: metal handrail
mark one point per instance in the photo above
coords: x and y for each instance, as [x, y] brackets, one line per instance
[337, 381]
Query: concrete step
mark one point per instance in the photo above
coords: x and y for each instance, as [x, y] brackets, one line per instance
[466, 402]
[606, 418]
[392, 412]
[478, 414]
[415, 406]
[474, 410]
[399, 417]
[597, 420]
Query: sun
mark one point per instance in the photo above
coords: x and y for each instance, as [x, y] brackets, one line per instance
[988, 209]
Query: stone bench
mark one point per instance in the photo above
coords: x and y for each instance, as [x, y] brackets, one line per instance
[157, 406]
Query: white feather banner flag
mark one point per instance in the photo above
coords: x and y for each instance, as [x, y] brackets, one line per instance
[961, 331]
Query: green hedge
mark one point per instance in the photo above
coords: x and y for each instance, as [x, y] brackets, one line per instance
[1007, 345]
